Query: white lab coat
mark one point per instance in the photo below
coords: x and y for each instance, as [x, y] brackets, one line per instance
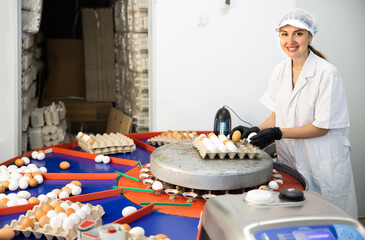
[318, 98]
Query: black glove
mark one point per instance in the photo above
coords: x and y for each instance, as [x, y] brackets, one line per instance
[266, 136]
[245, 131]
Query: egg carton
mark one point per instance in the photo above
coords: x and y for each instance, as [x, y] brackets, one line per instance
[96, 213]
[160, 140]
[244, 150]
[107, 144]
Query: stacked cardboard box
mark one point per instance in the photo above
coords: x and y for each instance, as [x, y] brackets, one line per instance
[98, 35]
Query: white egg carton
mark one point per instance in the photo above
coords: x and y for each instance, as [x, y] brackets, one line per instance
[107, 144]
[96, 213]
[244, 150]
[159, 140]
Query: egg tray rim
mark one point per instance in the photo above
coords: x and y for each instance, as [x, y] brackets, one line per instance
[125, 149]
[92, 136]
[59, 232]
[159, 140]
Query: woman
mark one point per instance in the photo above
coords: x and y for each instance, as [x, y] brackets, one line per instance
[309, 117]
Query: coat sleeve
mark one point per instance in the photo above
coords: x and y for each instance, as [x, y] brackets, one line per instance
[331, 109]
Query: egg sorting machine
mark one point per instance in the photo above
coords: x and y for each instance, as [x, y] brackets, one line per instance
[236, 217]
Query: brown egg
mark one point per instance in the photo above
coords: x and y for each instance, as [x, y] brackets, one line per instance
[163, 134]
[4, 200]
[202, 138]
[77, 183]
[2, 204]
[5, 184]
[236, 136]
[168, 134]
[7, 233]
[33, 200]
[225, 141]
[210, 134]
[161, 236]
[56, 191]
[59, 209]
[179, 136]
[47, 207]
[91, 141]
[187, 137]
[27, 222]
[69, 211]
[126, 227]
[55, 203]
[2, 189]
[32, 182]
[43, 221]
[41, 151]
[40, 213]
[195, 133]
[67, 189]
[36, 173]
[28, 175]
[19, 162]
[64, 165]
[174, 133]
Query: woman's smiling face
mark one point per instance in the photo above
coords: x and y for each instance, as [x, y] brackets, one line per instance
[294, 41]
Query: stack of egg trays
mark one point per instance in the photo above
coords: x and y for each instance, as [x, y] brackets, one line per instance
[244, 150]
[96, 213]
[159, 140]
[108, 144]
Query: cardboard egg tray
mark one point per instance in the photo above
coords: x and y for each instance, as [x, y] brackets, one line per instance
[107, 144]
[159, 140]
[96, 213]
[244, 150]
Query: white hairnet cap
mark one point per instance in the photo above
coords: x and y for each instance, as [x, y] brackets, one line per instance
[300, 18]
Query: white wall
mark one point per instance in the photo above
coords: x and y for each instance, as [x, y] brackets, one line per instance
[341, 38]
[10, 130]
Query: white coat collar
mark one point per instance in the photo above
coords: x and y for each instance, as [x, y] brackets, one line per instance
[307, 72]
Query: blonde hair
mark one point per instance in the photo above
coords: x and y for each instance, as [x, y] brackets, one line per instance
[318, 53]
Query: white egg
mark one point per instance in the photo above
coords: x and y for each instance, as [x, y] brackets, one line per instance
[25, 178]
[67, 223]
[26, 160]
[3, 167]
[202, 135]
[137, 231]
[12, 202]
[43, 169]
[75, 218]
[31, 166]
[250, 136]
[273, 185]
[22, 201]
[86, 209]
[51, 195]
[23, 184]
[51, 214]
[64, 194]
[42, 197]
[41, 156]
[62, 216]
[55, 222]
[12, 196]
[99, 158]
[27, 170]
[2, 195]
[78, 134]
[75, 207]
[71, 185]
[16, 175]
[106, 160]
[39, 178]
[76, 191]
[157, 185]
[13, 186]
[24, 194]
[128, 210]
[280, 181]
[34, 154]
[81, 214]
[64, 205]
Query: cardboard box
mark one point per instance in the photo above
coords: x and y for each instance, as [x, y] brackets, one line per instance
[81, 111]
[66, 76]
[98, 36]
[118, 122]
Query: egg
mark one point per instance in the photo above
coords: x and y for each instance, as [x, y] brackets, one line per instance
[75, 218]
[157, 185]
[179, 136]
[62, 216]
[67, 223]
[273, 185]
[106, 159]
[34, 154]
[77, 183]
[99, 158]
[27, 222]
[70, 186]
[4, 202]
[32, 182]
[236, 136]
[55, 222]
[19, 162]
[57, 192]
[43, 221]
[161, 236]
[75, 207]
[42, 197]
[126, 227]
[13, 186]
[264, 187]
[35, 174]
[40, 213]
[5, 184]
[2, 189]
[24, 194]
[28, 175]
[12, 202]
[41, 156]
[64, 165]
[22, 201]
[76, 191]
[51, 214]
[67, 189]
[128, 210]
[51, 195]
[33, 200]
[69, 211]
[7, 233]
[59, 209]
[137, 231]
[81, 214]
[26, 160]
[43, 169]
[23, 184]
[64, 205]
[86, 209]
[64, 194]
[47, 208]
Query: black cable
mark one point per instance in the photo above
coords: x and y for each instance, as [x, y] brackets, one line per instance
[238, 116]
